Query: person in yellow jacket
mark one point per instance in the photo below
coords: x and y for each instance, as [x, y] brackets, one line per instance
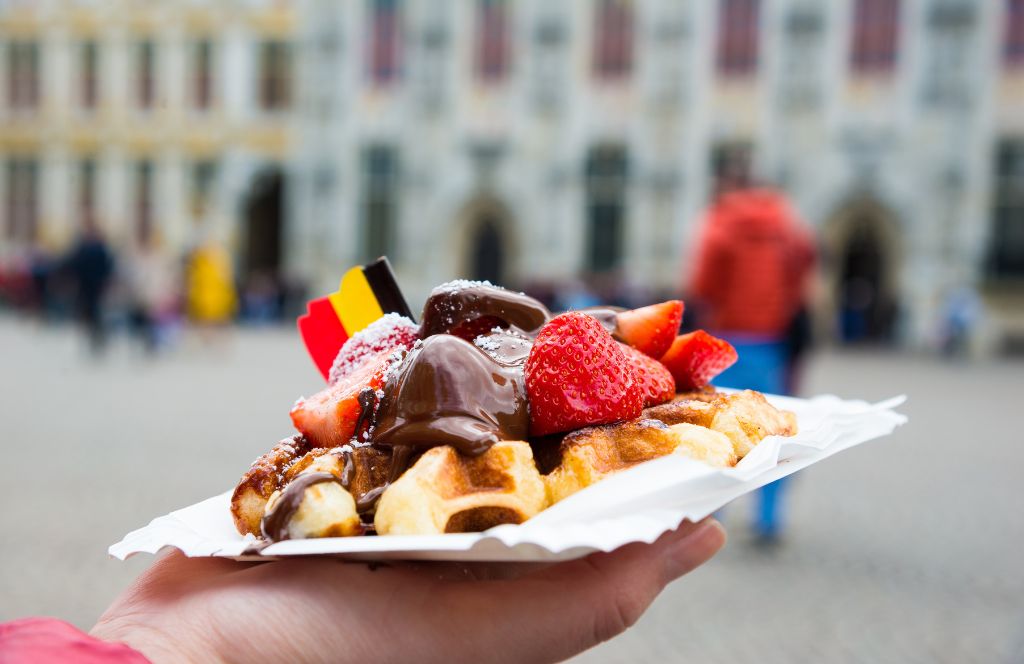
[209, 286]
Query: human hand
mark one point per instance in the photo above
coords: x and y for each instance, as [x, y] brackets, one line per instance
[325, 609]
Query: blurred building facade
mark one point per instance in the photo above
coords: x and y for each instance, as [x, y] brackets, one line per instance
[519, 140]
[167, 121]
[526, 141]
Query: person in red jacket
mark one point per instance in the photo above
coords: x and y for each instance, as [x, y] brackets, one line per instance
[749, 279]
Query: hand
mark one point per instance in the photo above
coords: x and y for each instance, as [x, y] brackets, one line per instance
[324, 609]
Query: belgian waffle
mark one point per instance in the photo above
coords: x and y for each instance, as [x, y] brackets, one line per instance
[444, 491]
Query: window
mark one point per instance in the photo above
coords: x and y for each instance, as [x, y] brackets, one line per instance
[146, 74]
[86, 192]
[946, 76]
[876, 26]
[613, 43]
[1013, 40]
[203, 186]
[275, 75]
[90, 85]
[549, 36]
[801, 56]
[1006, 255]
[384, 29]
[606, 171]
[380, 200]
[143, 200]
[202, 68]
[23, 75]
[492, 49]
[22, 199]
[736, 53]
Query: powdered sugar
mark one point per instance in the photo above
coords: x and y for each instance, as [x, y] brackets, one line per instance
[489, 344]
[457, 285]
[389, 331]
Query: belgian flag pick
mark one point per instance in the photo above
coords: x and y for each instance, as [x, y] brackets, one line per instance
[366, 293]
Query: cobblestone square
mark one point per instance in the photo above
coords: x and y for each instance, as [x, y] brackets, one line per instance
[906, 549]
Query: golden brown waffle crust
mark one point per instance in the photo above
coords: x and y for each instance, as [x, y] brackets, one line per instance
[444, 491]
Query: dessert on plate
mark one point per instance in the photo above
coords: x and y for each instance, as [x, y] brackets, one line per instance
[490, 410]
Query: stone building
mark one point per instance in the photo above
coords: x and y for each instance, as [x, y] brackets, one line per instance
[166, 120]
[525, 140]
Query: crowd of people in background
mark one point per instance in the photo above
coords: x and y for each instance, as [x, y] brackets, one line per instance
[147, 293]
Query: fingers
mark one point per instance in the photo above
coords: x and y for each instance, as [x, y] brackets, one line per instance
[570, 607]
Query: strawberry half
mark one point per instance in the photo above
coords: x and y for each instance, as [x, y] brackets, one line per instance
[577, 375]
[651, 329]
[387, 333]
[695, 358]
[328, 418]
[655, 379]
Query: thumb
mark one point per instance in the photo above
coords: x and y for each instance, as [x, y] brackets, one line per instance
[567, 608]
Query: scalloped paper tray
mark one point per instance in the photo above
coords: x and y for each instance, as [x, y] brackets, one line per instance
[636, 505]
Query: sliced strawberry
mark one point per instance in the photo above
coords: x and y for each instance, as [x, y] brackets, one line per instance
[651, 329]
[695, 358]
[655, 380]
[474, 327]
[387, 333]
[328, 418]
[577, 375]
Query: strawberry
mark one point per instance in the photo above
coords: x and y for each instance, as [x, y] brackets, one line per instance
[651, 329]
[695, 358]
[328, 418]
[387, 333]
[576, 375]
[474, 327]
[655, 380]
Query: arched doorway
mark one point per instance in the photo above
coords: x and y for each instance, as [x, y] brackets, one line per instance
[487, 252]
[261, 279]
[264, 224]
[486, 244]
[862, 251]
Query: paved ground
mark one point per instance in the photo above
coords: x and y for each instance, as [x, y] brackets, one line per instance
[903, 550]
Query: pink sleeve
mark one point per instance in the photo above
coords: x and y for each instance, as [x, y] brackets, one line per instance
[46, 640]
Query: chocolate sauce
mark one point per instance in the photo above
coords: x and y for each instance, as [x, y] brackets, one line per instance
[452, 304]
[275, 522]
[367, 403]
[451, 392]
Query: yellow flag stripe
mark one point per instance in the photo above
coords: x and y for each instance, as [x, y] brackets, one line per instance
[354, 302]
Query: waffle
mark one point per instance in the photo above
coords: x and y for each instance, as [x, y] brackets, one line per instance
[745, 417]
[589, 455]
[324, 508]
[285, 461]
[445, 492]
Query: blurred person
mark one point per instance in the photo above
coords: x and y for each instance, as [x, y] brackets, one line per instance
[962, 311]
[322, 609]
[41, 267]
[152, 284]
[753, 262]
[90, 265]
[209, 286]
[262, 298]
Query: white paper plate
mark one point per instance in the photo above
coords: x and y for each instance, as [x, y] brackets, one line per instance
[636, 505]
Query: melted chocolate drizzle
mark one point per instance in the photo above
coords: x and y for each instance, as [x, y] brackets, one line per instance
[447, 307]
[275, 522]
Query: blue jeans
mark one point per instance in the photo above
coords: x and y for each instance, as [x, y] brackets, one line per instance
[762, 367]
